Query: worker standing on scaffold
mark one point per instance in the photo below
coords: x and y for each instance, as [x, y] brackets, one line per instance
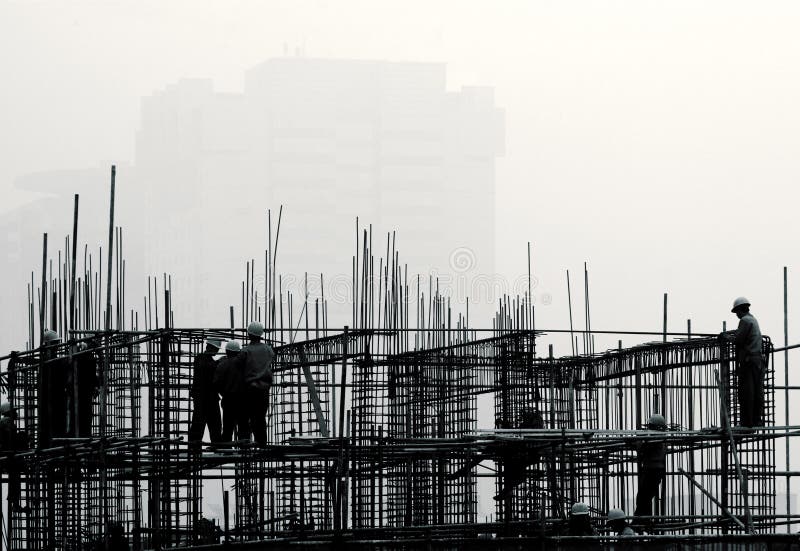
[229, 382]
[88, 386]
[256, 359]
[652, 460]
[749, 364]
[205, 400]
[52, 391]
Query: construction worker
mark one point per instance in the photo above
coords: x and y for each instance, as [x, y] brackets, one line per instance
[229, 382]
[652, 459]
[52, 391]
[618, 523]
[88, 386]
[117, 540]
[516, 459]
[204, 395]
[11, 439]
[256, 359]
[749, 364]
[580, 524]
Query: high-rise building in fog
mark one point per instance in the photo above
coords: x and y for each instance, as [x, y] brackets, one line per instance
[330, 140]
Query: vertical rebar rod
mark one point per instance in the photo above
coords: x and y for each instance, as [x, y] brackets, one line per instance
[571, 333]
[786, 385]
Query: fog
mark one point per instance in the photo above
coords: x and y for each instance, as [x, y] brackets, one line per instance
[657, 142]
[653, 141]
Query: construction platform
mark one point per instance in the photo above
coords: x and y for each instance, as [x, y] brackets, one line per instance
[370, 442]
[408, 429]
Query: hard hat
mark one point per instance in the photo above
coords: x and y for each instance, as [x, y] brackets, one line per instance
[216, 343]
[82, 346]
[579, 508]
[657, 420]
[255, 329]
[50, 336]
[741, 301]
[6, 408]
[616, 514]
[233, 346]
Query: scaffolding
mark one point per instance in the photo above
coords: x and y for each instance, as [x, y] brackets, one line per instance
[408, 453]
[408, 427]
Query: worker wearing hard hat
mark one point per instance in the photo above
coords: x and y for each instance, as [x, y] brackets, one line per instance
[229, 382]
[205, 399]
[580, 523]
[618, 523]
[53, 388]
[256, 361]
[652, 460]
[750, 364]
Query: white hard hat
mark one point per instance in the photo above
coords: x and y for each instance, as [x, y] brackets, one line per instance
[233, 346]
[579, 508]
[216, 343]
[657, 420]
[741, 301]
[82, 346]
[50, 336]
[255, 328]
[616, 514]
[6, 408]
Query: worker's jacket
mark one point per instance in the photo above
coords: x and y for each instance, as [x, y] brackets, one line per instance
[11, 439]
[86, 364]
[228, 376]
[257, 358]
[653, 455]
[203, 381]
[748, 338]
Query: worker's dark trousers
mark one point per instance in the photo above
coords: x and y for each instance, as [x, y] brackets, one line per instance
[649, 483]
[256, 402]
[234, 416]
[205, 412]
[750, 372]
[84, 414]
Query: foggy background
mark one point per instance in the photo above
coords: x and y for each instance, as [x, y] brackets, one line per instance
[656, 141]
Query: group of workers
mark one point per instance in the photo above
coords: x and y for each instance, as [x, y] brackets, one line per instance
[69, 385]
[651, 458]
[243, 378]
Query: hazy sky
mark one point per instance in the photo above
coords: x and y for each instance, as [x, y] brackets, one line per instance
[656, 140]
[659, 141]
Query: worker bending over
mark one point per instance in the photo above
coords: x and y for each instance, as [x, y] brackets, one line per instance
[204, 395]
[618, 523]
[580, 524]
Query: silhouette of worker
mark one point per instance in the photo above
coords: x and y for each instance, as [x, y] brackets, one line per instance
[229, 382]
[204, 395]
[749, 364]
[87, 386]
[256, 359]
[652, 459]
[52, 391]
